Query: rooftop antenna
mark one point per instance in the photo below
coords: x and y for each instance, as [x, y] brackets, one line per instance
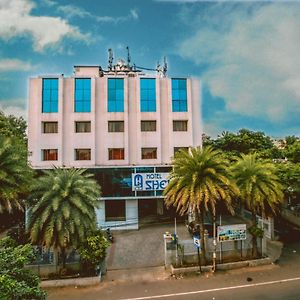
[128, 57]
[165, 67]
[110, 59]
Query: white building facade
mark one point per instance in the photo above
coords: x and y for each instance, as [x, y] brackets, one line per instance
[122, 125]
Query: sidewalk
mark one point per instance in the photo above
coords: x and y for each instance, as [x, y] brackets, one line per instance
[140, 274]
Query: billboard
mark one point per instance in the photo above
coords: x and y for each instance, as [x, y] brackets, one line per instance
[234, 232]
[149, 181]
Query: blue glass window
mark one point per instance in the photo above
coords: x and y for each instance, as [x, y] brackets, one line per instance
[179, 97]
[115, 95]
[50, 95]
[82, 95]
[148, 94]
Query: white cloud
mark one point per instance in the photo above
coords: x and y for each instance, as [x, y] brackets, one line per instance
[14, 65]
[71, 11]
[254, 63]
[16, 20]
[16, 107]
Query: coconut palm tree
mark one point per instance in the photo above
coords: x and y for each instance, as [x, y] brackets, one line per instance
[259, 188]
[62, 211]
[199, 180]
[15, 174]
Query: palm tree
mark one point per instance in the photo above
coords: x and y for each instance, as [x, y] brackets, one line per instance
[259, 188]
[62, 212]
[199, 179]
[15, 174]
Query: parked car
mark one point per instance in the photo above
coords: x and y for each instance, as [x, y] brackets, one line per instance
[194, 229]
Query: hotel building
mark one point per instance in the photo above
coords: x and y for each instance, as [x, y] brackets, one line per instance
[122, 125]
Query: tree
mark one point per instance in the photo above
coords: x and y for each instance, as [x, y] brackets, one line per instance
[244, 141]
[11, 126]
[15, 174]
[293, 152]
[62, 211]
[259, 186]
[289, 174]
[199, 180]
[93, 250]
[15, 281]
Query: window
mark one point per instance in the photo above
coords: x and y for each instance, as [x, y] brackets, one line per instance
[115, 126]
[82, 95]
[115, 153]
[148, 125]
[149, 153]
[176, 149]
[83, 126]
[115, 210]
[49, 127]
[180, 125]
[49, 154]
[148, 97]
[50, 95]
[115, 95]
[179, 97]
[82, 154]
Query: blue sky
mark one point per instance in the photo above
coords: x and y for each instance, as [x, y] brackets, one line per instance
[247, 54]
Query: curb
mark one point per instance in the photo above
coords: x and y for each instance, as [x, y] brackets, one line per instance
[71, 282]
[223, 267]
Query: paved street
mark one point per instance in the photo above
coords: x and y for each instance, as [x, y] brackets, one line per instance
[267, 282]
[278, 281]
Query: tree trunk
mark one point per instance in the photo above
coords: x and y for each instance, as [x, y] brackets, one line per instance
[63, 257]
[199, 218]
[254, 237]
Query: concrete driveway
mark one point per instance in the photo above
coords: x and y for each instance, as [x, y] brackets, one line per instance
[141, 248]
[145, 247]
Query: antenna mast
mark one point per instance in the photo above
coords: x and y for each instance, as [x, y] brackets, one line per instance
[128, 57]
[110, 59]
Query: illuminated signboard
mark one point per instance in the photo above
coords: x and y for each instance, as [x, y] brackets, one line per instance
[232, 232]
[149, 181]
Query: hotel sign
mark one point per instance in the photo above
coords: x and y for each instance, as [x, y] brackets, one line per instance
[149, 181]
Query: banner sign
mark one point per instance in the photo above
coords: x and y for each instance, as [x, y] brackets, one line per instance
[235, 232]
[149, 181]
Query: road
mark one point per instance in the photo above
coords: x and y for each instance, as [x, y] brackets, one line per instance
[277, 281]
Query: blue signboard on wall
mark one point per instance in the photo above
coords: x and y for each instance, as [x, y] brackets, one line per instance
[149, 181]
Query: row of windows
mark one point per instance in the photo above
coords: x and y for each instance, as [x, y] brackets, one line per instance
[113, 126]
[115, 91]
[113, 153]
[85, 154]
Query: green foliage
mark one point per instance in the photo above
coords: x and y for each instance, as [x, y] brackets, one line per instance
[199, 180]
[289, 174]
[259, 186]
[62, 209]
[93, 249]
[11, 126]
[15, 281]
[244, 141]
[255, 231]
[258, 182]
[293, 152]
[290, 140]
[15, 174]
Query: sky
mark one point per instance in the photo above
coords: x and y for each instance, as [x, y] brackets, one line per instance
[246, 53]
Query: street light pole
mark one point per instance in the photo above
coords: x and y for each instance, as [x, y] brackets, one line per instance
[214, 242]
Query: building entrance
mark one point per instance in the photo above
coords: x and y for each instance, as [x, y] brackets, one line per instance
[147, 207]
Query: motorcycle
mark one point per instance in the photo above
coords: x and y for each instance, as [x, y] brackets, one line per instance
[109, 235]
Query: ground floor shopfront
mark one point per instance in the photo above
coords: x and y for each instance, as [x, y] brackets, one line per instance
[131, 195]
